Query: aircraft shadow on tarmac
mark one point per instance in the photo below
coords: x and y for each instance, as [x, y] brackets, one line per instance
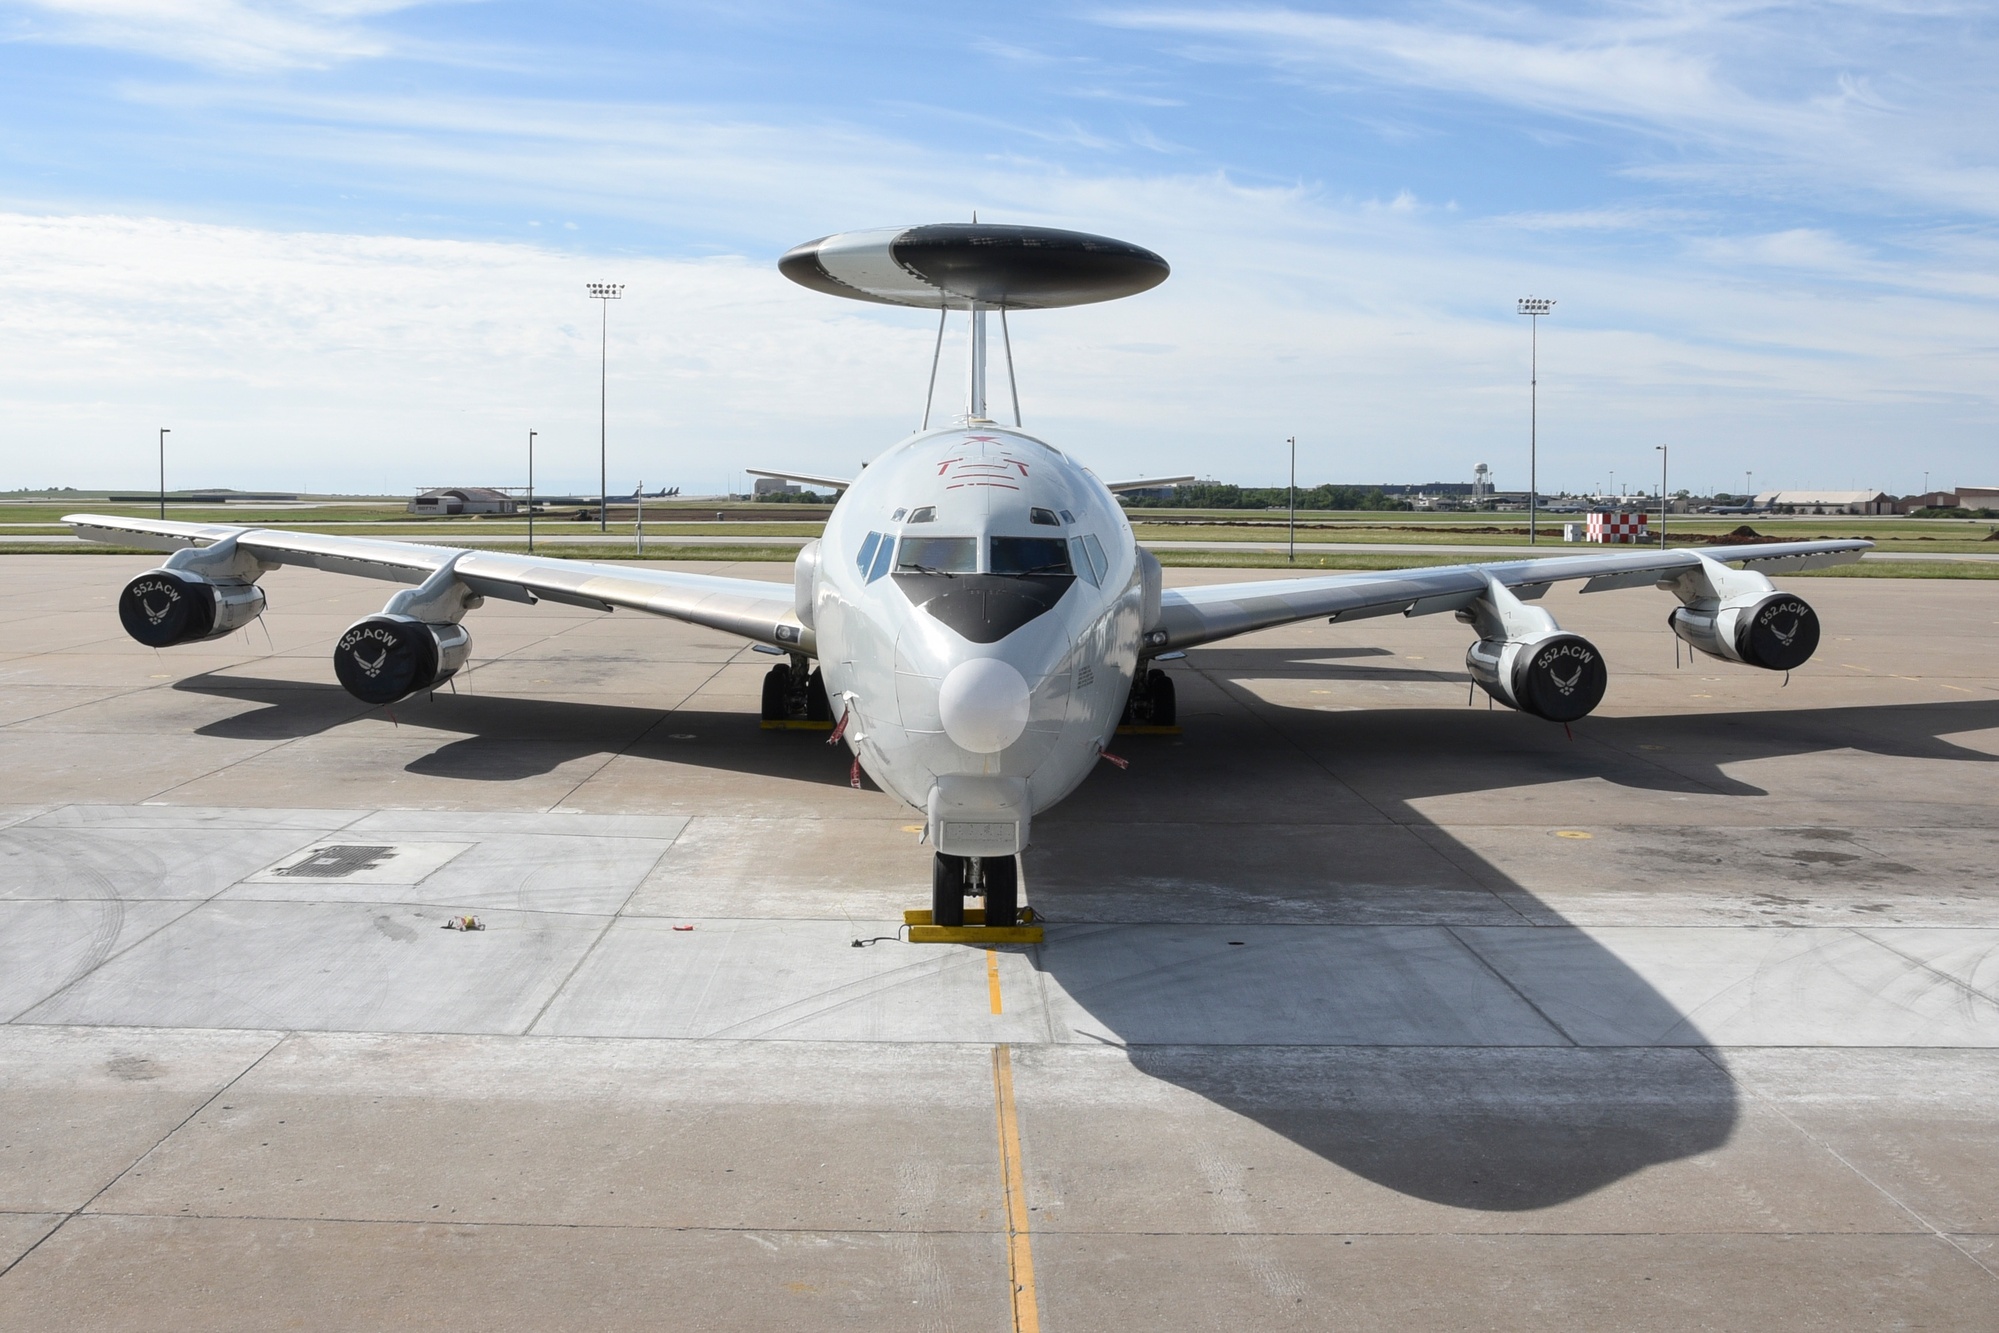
[1394, 1073]
[503, 738]
[1453, 1105]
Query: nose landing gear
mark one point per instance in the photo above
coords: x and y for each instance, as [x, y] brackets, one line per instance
[956, 878]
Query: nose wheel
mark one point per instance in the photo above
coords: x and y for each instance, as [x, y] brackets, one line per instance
[956, 878]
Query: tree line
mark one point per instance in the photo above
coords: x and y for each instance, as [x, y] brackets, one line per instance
[1215, 495]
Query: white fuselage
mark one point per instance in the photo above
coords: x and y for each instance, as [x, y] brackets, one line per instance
[978, 601]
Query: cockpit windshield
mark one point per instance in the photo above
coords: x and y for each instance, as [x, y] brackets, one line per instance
[938, 555]
[1030, 555]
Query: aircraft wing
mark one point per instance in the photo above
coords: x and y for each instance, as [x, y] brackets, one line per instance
[752, 608]
[828, 483]
[1189, 616]
[1146, 483]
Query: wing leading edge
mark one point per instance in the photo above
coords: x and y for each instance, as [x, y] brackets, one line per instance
[1191, 616]
[752, 608]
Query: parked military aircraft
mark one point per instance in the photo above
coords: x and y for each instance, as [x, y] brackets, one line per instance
[981, 618]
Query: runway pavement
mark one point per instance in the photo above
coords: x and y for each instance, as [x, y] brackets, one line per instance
[1360, 1007]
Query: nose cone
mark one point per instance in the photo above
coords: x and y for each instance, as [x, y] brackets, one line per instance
[983, 705]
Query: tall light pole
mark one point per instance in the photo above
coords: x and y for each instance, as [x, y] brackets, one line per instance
[1662, 494]
[606, 292]
[1750, 497]
[531, 435]
[1293, 556]
[164, 432]
[1534, 307]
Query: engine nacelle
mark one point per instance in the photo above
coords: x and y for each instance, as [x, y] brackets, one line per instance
[805, 582]
[1778, 631]
[389, 657]
[1558, 676]
[163, 607]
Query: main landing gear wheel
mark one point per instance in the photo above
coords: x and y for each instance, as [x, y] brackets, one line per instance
[793, 694]
[776, 681]
[1151, 703]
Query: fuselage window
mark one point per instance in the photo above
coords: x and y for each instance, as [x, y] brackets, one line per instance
[1045, 517]
[1080, 556]
[868, 549]
[1097, 556]
[938, 555]
[1030, 555]
[926, 514]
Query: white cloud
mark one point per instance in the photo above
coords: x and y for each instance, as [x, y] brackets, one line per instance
[1383, 338]
[234, 35]
[1771, 98]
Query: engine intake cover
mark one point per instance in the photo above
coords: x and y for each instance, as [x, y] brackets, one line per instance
[164, 607]
[1780, 633]
[1561, 678]
[385, 658]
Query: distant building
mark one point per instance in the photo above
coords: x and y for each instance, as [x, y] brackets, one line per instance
[776, 486]
[465, 500]
[1909, 504]
[1978, 497]
[1827, 502]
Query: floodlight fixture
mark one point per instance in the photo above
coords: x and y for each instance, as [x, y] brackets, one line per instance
[606, 292]
[1534, 307]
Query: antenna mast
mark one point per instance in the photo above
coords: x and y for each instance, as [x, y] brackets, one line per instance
[975, 396]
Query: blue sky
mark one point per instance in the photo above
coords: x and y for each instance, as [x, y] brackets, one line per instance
[342, 245]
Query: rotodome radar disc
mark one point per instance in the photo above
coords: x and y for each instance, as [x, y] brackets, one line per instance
[957, 263]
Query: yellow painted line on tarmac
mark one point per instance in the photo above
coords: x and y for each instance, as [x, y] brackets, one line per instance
[992, 978]
[1013, 1183]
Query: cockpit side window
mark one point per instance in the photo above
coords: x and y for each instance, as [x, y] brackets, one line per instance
[1097, 556]
[938, 555]
[1079, 555]
[868, 548]
[1068, 517]
[1030, 555]
[1045, 517]
[924, 514]
[883, 553]
[896, 517]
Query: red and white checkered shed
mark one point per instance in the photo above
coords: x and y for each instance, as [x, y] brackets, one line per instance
[1616, 529]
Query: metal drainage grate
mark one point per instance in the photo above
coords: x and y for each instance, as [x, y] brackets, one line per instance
[337, 862]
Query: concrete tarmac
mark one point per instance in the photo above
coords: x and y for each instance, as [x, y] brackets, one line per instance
[1360, 1007]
